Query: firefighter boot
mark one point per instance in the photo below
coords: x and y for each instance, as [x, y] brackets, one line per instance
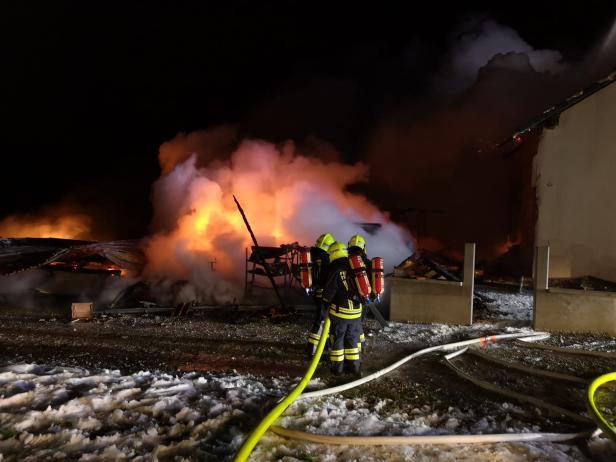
[337, 368]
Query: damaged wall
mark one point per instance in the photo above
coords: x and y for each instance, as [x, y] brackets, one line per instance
[575, 173]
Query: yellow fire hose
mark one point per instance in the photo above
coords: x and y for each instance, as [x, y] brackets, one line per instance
[269, 419]
[606, 427]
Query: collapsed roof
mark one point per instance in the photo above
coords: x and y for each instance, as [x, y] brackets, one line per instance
[20, 254]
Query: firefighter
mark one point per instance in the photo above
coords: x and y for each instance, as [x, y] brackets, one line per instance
[343, 302]
[320, 262]
[357, 246]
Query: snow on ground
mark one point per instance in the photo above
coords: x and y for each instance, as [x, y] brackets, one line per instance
[56, 413]
[339, 416]
[506, 303]
[53, 413]
[435, 334]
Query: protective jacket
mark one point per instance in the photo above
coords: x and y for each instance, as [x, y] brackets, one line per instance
[339, 292]
[345, 310]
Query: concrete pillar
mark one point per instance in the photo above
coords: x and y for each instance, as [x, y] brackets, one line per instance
[542, 268]
[542, 271]
[468, 278]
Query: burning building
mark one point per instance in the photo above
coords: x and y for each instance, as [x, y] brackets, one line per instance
[51, 273]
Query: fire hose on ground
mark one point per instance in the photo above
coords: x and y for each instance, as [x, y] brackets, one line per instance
[606, 427]
[253, 439]
[425, 439]
[269, 419]
[447, 347]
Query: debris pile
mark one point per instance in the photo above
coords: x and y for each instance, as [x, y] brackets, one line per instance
[424, 264]
[22, 254]
[583, 283]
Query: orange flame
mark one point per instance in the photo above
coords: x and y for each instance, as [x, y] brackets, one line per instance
[287, 197]
[50, 224]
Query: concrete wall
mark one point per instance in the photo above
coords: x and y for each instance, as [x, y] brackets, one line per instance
[427, 301]
[568, 310]
[575, 179]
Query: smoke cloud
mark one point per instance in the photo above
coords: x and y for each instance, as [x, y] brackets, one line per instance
[439, 162]
[476, 44]
[287, 197]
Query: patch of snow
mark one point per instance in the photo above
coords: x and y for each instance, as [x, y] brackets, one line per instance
[504, 304]
[104, 415]
[76, 414]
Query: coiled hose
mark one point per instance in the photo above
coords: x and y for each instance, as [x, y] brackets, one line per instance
[606, 427]
[252, 440]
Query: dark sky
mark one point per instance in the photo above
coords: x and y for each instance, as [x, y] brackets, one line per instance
[91, 89]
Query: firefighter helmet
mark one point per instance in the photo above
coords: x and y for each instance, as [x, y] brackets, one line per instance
[337, 250]
[324, 241]
[357, 241]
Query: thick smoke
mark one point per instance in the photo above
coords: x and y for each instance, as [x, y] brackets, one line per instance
[476, 44]
[443, 165]
[287, 197]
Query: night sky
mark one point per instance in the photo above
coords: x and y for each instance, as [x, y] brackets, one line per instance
[92, 89]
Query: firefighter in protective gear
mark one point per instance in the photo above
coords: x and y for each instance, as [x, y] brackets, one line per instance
[344, 308]
[320, 263]
[357, 246]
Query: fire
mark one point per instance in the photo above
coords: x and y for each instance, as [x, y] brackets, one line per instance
[507, 245]
[287, 197]
[55, 224]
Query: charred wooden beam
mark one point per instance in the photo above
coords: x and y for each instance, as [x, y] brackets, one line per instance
[260, 256]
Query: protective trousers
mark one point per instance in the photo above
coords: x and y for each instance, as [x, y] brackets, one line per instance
[317, 326]
[345, 344]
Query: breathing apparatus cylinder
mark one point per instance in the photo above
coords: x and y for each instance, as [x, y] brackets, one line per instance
[360, 273]
[305, 268]
[378, 277]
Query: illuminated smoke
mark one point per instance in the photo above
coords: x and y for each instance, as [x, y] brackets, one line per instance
[476, 44]
[56, 222]
[287, 197]
[609, 43]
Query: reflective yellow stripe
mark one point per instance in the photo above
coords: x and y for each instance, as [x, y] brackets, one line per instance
[351, 357]
[351, 350]
[359, 346]
[313, 341]
[336, 355]
[345, 310]
[315, 336]
[348, 311]
[362, 337]
[344, 316]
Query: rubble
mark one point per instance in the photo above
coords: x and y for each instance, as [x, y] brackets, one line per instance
[20, 254]
[424, 264]
[584, 283]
